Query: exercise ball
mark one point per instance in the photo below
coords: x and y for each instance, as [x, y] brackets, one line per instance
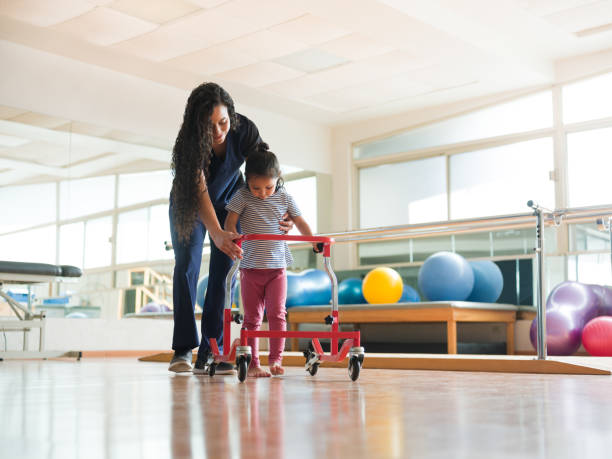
[488, 282]
[150, 307]
[446, 276]
[576, 297]
[203, 285]
[382, 285]
[563, 332]
[409, 295]
[76, 315]
[349, 291]
[308, 288]
[604, 294]
[597, 336]
[201, 291]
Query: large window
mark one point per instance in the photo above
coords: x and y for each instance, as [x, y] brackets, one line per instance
[143, 187]
[35, 245]
[501, 180]
[98, 246]
[408, 192]
[588, 99]
[86, 196]
[589, 155]
[26, 206]
[304, 192]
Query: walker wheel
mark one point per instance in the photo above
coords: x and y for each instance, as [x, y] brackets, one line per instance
[313, 369]
[211, 369]
[353, 367]
[241, 363]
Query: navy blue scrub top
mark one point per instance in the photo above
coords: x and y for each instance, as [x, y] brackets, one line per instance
[224, 177]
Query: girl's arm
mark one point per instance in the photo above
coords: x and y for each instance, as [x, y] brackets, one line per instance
[224, 240]
[304, 229]
[231, 221]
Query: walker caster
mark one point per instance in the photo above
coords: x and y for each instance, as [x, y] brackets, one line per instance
[312, 363]
[211, 369]
[241, 363]
[313, 369]
[353, 367]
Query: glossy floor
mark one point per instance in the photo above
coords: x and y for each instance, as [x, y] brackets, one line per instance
[119, 408]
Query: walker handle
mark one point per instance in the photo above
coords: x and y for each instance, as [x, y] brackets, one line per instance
[324, 240]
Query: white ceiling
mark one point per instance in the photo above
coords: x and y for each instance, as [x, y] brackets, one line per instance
[333, 61]
[328, 61]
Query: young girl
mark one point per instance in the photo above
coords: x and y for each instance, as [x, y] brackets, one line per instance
[263, 279]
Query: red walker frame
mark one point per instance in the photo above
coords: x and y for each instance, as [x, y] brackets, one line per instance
[239, 350]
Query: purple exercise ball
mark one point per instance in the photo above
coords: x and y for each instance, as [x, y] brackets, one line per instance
[578, 298]
[604, 294]
[569, 307]
[563, 332]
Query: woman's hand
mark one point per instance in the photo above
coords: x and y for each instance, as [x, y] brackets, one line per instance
[286, 224]
[224, 240]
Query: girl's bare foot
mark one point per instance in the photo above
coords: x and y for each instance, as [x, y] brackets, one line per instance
[277, 370]
[258, 372]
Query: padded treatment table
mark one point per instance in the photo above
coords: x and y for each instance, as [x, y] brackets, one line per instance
[13, 272]
[450, 312]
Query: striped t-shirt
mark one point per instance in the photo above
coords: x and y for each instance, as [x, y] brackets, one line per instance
[263, 216]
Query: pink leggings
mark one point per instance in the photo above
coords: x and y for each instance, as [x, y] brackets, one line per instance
[264, 289]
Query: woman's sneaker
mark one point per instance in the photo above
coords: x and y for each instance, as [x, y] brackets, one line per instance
[181, 361]
[222, 368]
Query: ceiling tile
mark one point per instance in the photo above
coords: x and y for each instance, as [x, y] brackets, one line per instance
[367, 95]
[264, 45]
[104, 26]
[212, 60]
[157, 11]
[186, 35]
[259, 74]
[266, 13]
[44, 13]
[208, 3]
[355, 47]
[310, 60]
[583, 17]
[298, 88]
[546, 7]
[310, 29]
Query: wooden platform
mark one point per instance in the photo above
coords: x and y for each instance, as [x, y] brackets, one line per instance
[450, 312]
[444, 362]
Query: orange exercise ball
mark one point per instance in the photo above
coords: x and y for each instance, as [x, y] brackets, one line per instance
[382, 285]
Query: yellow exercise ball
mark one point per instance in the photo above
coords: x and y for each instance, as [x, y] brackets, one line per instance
[382, 285]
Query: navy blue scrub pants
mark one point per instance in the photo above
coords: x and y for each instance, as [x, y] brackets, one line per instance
[188, 257]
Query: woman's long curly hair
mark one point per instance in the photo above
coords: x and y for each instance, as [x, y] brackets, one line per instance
[192, 153]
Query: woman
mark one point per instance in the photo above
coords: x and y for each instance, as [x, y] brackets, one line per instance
[211, 145]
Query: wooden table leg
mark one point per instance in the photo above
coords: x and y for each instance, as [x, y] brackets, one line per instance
[451, 336]
[293, 341]
[510, 338]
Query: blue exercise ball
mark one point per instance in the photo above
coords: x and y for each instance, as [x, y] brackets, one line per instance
[309, 288]
[203, 285]
[446, 276]
[409, 295]
[201, 291]
[350, 292]
[488, 282]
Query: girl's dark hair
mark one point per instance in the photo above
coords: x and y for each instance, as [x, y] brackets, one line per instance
[261, 162]
[192, 153]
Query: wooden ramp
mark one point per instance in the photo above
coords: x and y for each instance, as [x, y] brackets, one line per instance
[445, 362]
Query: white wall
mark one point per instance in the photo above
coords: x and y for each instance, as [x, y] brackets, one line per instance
[100, 335]
[58, 86]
